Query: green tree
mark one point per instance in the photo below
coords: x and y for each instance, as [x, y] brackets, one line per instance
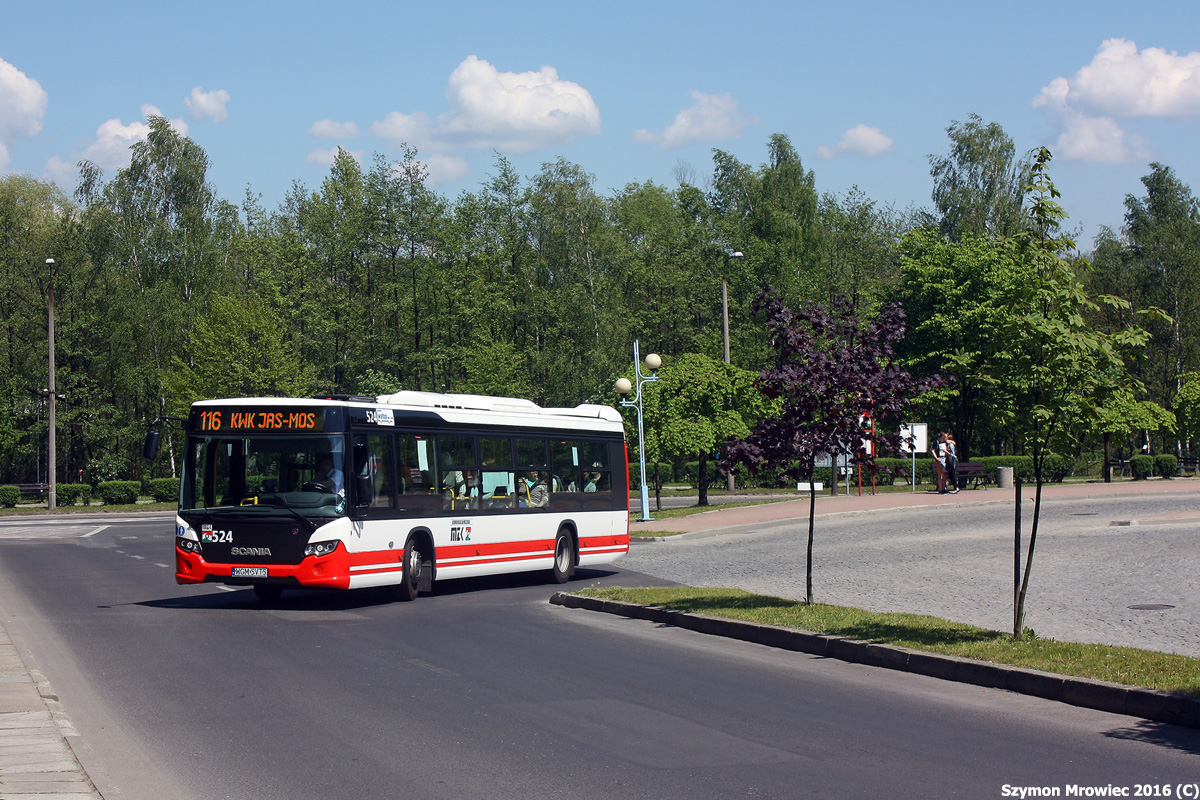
[1121, 413]
[1155, 264]
[696, 406]
[1055, 368]
[859, 253]
[771, 216]
[953, 294]
[979, 187]
[240, 351]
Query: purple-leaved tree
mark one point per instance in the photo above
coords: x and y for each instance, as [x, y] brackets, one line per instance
[829, 369]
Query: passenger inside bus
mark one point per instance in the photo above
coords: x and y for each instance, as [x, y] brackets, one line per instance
[534, 491]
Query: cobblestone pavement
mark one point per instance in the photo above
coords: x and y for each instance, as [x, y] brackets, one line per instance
[1107, 558]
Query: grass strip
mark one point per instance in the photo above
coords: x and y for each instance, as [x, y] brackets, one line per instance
[1125, 665]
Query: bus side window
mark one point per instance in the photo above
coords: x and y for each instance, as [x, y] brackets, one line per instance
[459, 473]
[379, 471]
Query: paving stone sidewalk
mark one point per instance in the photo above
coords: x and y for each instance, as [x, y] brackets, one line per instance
[36, 759]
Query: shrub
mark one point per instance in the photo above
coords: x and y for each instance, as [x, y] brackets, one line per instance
[68, 494]
[899, 471]
[107, 468]
[119, 493]
[9, 495]
[1142, 467]
[1056, 467]
[1166, 465]
[166, 490]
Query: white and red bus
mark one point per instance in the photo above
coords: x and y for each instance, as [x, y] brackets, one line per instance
[400, 490]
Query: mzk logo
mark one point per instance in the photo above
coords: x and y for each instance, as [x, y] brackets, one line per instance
[460, 533]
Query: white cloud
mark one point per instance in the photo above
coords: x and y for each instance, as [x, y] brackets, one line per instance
[711, 118]
[1119, 82]
[414, 129]
[444, 168]
[22, 108]
[208, 105]
[328, 129]
[861, 140]
[514, 112]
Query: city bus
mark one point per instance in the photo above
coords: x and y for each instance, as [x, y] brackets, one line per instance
[401, 490]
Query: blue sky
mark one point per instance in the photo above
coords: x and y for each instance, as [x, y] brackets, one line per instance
[628, 91]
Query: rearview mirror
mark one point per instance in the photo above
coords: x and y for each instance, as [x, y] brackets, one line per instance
[150, 448]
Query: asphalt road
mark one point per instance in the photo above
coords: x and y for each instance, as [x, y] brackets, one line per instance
[484, 690]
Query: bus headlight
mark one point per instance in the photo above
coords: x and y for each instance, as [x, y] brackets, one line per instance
[320, 548]
[187, 545]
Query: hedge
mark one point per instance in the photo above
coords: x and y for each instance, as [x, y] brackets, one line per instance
[165, 490]
[119, 493]
[1166, 465]
[68, 494]
[1141, 467]
[9, 495]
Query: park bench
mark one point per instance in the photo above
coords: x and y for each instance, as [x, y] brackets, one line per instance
[973, 471]
[33, 491]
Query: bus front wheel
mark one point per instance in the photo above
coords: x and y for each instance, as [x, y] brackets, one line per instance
[410, 575]
[564, 557]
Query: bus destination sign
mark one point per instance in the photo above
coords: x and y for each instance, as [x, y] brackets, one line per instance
[233, 419]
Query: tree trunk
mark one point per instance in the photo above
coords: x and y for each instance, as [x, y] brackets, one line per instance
[1019, 616]
[702, 479]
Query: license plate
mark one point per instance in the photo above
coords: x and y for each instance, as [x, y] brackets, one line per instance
[249, 572]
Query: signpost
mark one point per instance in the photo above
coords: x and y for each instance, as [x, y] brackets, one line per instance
[914, 438]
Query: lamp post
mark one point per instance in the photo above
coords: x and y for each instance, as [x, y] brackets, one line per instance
[51, 467]
[624, 387]
[725, 298]
[725, 325]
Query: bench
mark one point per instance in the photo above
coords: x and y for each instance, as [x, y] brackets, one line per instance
[973, 471]
[35, 491]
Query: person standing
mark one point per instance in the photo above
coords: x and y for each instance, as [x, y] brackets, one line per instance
[938, 452]
[951, 462]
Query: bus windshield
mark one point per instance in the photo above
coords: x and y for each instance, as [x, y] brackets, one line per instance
[302, 473]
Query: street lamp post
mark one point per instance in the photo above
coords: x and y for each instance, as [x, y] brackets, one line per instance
[51, 467]
[623, 388]
[725, 325]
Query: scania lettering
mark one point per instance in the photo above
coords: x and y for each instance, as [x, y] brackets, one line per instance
[400, 490]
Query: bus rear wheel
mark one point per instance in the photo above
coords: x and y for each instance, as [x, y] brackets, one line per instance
[564, 557]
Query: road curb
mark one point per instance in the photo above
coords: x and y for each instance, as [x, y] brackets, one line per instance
[1115, 698]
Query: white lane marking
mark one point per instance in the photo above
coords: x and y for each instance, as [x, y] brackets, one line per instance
[94, 532]
[164, 566]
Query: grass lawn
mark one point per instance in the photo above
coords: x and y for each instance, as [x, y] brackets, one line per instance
[1125, 665]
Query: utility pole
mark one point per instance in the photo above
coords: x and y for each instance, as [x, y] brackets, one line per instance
[51, 493]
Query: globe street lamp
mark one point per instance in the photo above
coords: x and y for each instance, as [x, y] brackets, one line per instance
[624, 387]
